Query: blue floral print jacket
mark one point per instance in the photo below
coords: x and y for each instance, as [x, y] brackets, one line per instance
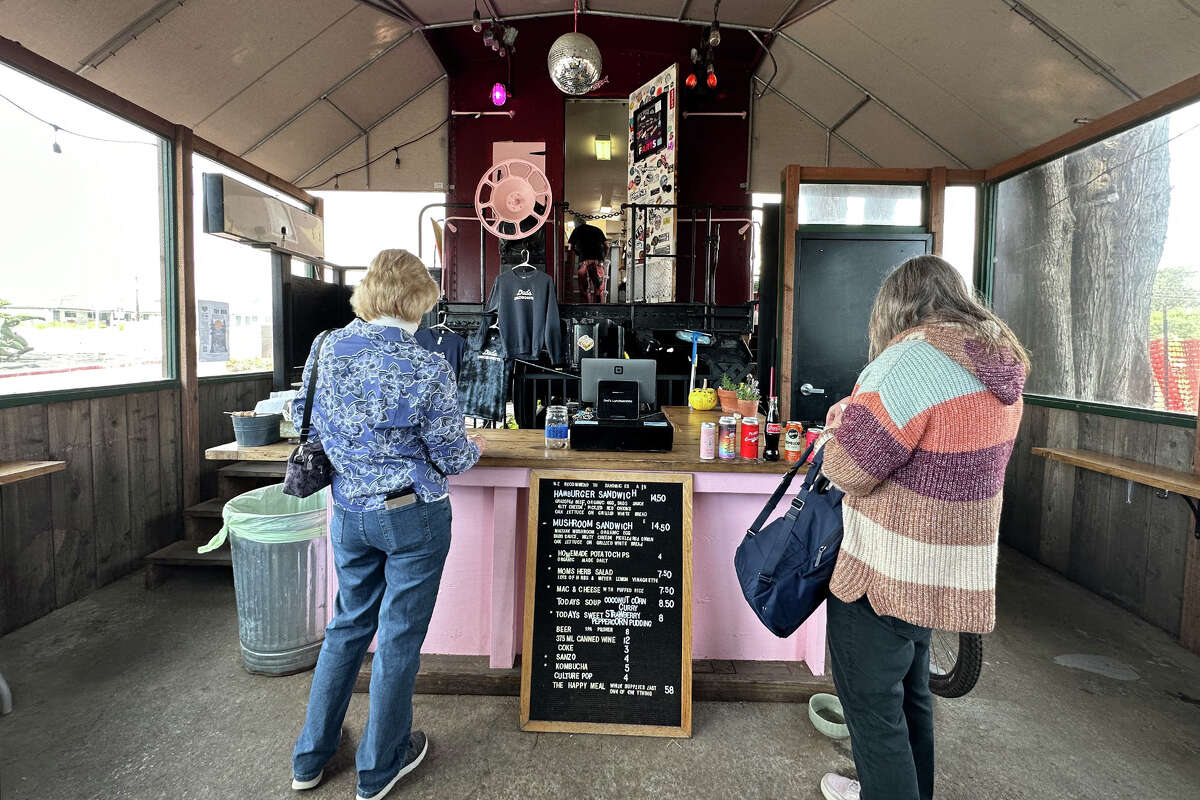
[383, 408]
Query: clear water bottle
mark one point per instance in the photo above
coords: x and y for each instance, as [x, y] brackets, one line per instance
[558, 430]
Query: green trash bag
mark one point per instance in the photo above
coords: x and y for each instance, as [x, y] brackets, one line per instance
[268, 515]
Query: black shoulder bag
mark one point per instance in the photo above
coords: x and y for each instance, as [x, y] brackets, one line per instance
[308, 468]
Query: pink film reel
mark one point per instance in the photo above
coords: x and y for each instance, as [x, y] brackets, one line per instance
[513, 199]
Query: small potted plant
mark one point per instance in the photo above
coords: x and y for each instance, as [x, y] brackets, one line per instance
[727, 394]
[747, 397]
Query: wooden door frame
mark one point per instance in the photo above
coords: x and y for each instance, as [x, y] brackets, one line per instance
[934, 181]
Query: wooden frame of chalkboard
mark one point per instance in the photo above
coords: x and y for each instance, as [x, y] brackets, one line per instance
[620, 543]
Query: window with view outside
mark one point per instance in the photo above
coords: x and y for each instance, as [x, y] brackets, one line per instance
[360, 224]
[1097, 267]
[81, 275]
[234, 311]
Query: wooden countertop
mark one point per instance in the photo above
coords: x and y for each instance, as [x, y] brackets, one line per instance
[526, 448]
[13, 471]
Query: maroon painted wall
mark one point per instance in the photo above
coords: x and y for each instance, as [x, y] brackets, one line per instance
[712, 151]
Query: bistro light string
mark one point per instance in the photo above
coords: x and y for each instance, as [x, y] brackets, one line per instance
[57, 129]
[390, 151]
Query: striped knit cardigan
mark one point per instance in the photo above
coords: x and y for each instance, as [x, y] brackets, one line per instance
[921, 452]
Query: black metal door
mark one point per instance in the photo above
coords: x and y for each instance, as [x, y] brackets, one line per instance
[837, 276]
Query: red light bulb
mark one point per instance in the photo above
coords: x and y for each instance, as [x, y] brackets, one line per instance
[712, 80]
[691, 81]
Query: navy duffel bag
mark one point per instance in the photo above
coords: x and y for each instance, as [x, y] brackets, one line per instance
[784, 569]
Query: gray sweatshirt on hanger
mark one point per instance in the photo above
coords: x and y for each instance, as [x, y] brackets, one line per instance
[527, 312]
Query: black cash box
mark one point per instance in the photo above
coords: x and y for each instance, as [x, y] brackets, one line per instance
[651, 434]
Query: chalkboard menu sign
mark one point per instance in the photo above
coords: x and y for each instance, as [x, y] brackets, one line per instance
[608, 604]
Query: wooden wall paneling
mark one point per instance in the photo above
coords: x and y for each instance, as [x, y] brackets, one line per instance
[70, 427]
[171, 459]
[1169, 532]
[4, 627]
[110, 481]
[1012, 513]
[1094, 496]
[1128, 523]
[1025, 529]
[1058, 493]
[27, 558]
[145, 472]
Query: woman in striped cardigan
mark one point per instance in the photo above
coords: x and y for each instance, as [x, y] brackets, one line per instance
[920, 449]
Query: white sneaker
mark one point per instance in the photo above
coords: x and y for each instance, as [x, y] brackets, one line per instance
[418, 746]
[835, 787]
[300, 785]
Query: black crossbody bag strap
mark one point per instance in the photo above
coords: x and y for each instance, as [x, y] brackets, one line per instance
[312, 388]
[779, 492]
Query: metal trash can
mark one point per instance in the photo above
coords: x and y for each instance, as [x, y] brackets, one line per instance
[279, 576]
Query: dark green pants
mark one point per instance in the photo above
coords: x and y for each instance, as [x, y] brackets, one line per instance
[881, 670]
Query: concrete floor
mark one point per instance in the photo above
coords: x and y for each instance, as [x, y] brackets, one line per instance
[135, 694]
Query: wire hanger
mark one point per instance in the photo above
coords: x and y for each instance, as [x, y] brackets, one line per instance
[441, 323]
[524, 262]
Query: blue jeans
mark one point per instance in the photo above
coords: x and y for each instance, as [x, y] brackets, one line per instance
[881, 670]
[389, 565]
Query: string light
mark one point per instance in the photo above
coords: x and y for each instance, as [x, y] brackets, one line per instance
[57, 148]
[379, 157]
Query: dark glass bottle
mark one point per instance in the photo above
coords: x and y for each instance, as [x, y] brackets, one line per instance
[772, 431]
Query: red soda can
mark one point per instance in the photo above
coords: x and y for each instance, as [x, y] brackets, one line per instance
[810, 438]
[750, 438]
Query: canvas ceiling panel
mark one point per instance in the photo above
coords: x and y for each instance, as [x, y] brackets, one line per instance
[434, 11]
[343, 163]
[760, 13]
[842, 156]
[975, 76]
[388, 82]
[57, 30]
[421, 164]
[782, 136]
[298, 79]
[809, 83]
[654, 8]
[305, 142]
[206, 52]
[888, 140]
[1150, 44]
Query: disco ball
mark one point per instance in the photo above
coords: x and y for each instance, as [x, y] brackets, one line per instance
[574, 63]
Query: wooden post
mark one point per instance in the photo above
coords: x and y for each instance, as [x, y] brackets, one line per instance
[185, 281]
[937, 208]
[790, 186]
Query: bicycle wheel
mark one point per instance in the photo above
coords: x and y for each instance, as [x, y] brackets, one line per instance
[955, 661]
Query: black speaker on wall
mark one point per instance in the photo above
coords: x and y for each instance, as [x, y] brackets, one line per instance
[768, 299]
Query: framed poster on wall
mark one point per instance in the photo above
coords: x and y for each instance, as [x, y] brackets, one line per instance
[650, 128]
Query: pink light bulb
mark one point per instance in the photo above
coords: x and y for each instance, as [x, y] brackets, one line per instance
[499, 94]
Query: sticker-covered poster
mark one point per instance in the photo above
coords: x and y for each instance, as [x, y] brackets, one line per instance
[212, 330]
[653, 122]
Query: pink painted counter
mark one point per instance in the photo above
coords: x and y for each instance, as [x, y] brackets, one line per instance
[479, 608]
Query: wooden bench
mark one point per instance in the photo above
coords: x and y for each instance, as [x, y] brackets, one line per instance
[1184, 484]
[13, 471]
